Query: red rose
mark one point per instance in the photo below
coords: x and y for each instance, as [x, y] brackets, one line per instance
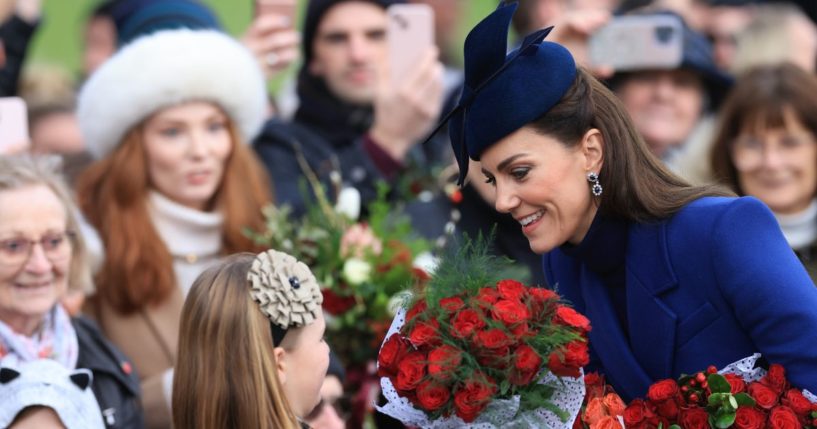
[693, 418]
[749, 418]
[637, 413]
[452, 304]
[425, 334]
[443, 361]
[335, 304]
[775, 379]
[736, 383]
[765, 397]
[390, 355]
[432, 396]
[526, 365]
[668, 409]
[522, 330]
[510, 312]
[493, 338]
[486, 297]
[566, 361]
[607, 422]
[795, 400]
[473, 397]
[783, 417]
[511, 289]
[415, 310]
[569, 317]
[662, 391]
[594, 385]
[410, 371]
[465, 323]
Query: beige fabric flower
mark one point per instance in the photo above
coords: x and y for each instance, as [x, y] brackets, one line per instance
[287, 291]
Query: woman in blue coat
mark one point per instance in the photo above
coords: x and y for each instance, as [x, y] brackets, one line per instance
[674, 278]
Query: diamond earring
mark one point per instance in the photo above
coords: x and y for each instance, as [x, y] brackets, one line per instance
[595, 187]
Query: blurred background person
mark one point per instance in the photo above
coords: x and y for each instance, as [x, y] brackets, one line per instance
[17, 28]
[42, 258]
[250, 355]
[726, 19]
[779, 32]
[99, 40]
[332, 408]
[174, 185]
[765, 147]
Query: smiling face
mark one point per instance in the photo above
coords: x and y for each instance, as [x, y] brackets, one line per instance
[187, 147]
[29, 290]
[778, 165]
[543, 184]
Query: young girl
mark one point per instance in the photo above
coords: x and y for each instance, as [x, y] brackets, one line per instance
[251, 348]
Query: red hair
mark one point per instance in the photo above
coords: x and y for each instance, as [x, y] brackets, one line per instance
[138, 268]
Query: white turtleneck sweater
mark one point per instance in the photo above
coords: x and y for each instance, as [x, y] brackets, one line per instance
[800, 229]
[192, 236]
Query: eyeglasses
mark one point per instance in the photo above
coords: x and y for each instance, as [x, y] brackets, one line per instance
[15, 251]
[748, 153]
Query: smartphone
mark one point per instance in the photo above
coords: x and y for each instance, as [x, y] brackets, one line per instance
[284, 8]
[13, 124]
[639, 42]
[410, 33]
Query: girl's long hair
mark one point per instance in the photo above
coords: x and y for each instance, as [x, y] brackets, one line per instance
[226, 375]
[138, 269]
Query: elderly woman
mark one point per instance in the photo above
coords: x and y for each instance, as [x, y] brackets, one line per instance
[41, 258]
[765, 147]
[673, 277]
[174, 186]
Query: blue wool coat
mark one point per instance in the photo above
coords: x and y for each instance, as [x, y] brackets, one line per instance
[711, 285]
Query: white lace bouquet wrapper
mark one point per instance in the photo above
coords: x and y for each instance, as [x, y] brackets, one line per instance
[568, 396]
[745, 368]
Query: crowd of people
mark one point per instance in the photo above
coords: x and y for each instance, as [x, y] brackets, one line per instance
[130, 288]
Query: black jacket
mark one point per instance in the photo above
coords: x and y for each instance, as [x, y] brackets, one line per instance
[115, 385]
[16, 35]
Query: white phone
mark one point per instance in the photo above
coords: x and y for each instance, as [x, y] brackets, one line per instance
[638, 42]
[410, 34]
[13, 124]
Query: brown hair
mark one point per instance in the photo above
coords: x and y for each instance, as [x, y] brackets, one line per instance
[637, 186]
[226, 375]
[760, 99]
[138, 268]
[26, 170]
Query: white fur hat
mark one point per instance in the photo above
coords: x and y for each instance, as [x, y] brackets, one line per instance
[167, 68]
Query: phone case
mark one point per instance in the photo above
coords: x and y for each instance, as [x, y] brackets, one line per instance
[639, 42]
[13, 122]
[410, 34]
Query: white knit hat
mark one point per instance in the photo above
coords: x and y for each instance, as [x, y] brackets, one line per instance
[46, 383]
[167, 68]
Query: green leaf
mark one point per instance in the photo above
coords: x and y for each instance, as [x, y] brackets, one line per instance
[718, 384]
[733, 402]
[744, 399]
[715, 399]
[725, 420]
[504, 386]
[674, 427]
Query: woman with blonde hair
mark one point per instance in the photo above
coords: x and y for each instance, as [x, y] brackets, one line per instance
[251, 348]
[174, 185]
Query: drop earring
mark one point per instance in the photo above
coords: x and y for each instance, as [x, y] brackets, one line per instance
[595, 187]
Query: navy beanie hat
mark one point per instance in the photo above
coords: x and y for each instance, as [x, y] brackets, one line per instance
[134, 18]
[315, 11]
[503, 92]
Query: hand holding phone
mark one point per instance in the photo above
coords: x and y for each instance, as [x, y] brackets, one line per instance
[272, 37]
[410, 36]
[13, 125]
[639, 42]
[285, 9]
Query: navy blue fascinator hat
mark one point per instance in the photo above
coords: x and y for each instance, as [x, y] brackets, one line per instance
[504, 91]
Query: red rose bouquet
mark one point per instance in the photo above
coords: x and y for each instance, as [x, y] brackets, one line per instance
[602, 407]
[477, 349]
[739, 396]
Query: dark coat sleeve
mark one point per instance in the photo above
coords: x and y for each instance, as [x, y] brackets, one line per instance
[16, 35]
[115, 383]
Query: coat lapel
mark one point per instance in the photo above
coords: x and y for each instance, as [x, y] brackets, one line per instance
[652, 324]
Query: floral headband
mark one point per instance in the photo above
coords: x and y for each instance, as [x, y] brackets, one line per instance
[286, 290]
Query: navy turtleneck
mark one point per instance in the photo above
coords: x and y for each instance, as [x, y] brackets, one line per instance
[603, 250]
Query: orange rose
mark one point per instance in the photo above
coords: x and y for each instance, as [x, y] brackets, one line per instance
[595, 411]
[607, 423]
[615, 406]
